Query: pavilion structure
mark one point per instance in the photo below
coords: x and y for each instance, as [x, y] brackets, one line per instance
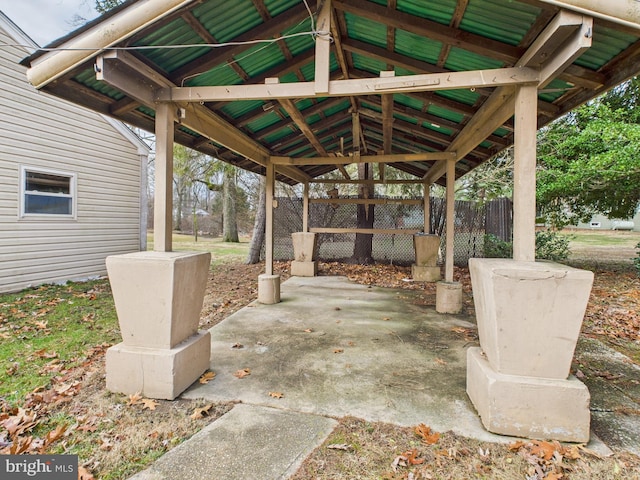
[295, 89]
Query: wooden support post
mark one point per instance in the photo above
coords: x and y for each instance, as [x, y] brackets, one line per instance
[163, 194]
[268, 234]
[427, 208]
[323, 50]
[451, 180]
[305, 208]
[524, 175]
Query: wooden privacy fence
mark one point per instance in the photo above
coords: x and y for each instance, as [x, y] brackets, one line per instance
[395, 221]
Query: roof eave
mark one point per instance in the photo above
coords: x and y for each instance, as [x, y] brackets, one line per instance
[80, 48]
[622, 12]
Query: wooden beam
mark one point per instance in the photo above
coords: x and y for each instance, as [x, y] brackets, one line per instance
[163, 192]
[387, 118]
[323, 49]
[524, 175]
[268, 235]
[340, 181]
[367, 231]
[410, 157]
[366, 201]
[218, 56]
[450, 221]
[343, 88]
[430, 29]
[305, 208]
[426, 207]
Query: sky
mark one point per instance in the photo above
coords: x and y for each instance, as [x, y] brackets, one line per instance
[47, 20]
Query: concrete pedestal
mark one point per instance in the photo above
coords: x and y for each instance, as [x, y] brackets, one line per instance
[157, 372]
[304, 246]
[158, 298]
[425, 274]
[528, 407]
[529, 314]
[304, 269]
[268, 289]
[448, 297]
[426, 249]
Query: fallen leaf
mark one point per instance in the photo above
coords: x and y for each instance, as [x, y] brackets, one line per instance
[237, 345]
[351, 344]
[386, 319]
[135, 399]
[515, 446]
[242, 373]
[276, 394]
[440, 361]
[207, 377]
[338, 350]
[201, 412]
[543, 449]
[149, 404]
[308, 330]
[412, 457]
[12, 370]
[339, 446]
[426, 434]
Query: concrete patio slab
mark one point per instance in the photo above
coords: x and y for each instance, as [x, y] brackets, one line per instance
[242, 444]
[336, 348]
[333, 348]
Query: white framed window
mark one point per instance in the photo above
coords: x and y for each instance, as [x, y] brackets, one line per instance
[47, 193]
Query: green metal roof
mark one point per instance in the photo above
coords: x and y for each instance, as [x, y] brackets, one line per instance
[409, 37]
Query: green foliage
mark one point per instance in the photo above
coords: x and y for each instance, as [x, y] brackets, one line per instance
[588, 164]
[550, 245]
[497, 248]
[636, 261]
[103, 6]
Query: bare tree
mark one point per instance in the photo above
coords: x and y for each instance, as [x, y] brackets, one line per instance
[257, 239]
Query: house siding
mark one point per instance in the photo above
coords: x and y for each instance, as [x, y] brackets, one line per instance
[41, 131]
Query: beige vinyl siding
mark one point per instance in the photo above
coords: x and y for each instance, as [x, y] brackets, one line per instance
[42, 132]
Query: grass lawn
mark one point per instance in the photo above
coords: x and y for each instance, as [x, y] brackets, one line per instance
[221, 252]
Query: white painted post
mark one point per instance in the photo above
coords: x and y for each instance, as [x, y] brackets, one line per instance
[427, 208]
[451, 179]
[524, 175]
[268, 239]
[305, 208]
[163, 191]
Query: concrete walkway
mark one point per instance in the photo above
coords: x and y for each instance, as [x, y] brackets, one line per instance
[330, 349]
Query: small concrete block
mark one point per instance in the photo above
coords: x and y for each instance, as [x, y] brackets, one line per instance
[425, 274]
[268, 289]
[156, 372]
[448, 297]
[304, 269]
[529, 407]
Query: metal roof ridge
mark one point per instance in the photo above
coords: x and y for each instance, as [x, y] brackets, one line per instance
[623, 12]
[46, 68]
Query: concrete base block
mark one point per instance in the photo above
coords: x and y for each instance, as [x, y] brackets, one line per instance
[448, 297]
[268, 289]
[425, 274]
[155, 372]
[529, 407]
[304, 269]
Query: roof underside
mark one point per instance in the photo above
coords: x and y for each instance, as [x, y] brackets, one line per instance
[407, 37]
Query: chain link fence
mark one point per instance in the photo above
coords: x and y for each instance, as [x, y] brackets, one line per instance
[387, 248]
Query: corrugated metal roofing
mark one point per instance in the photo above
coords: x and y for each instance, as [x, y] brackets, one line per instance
[407, 36]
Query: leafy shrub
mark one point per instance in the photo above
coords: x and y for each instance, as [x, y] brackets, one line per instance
[550, 245]
[636, 261]
[494, 247]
